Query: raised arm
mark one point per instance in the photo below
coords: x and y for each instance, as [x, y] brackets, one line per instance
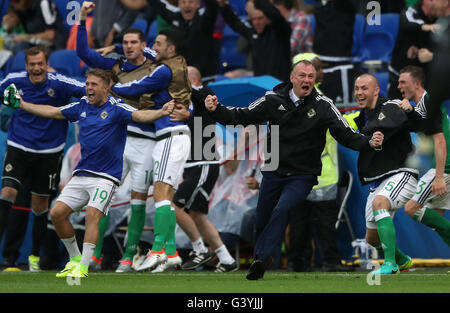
[165, 9]
[91, 57]
[235, 23]
[209, 16]
[273, 14]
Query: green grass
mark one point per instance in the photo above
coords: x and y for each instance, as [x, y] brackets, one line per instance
[419, 281]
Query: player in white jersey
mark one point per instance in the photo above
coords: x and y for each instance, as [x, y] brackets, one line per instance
[103, 124]
[173, 142]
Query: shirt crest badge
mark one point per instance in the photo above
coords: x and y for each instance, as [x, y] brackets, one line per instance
[381, 116]
[104, 115]
[8, 167]
[51, 92]
[311, 113]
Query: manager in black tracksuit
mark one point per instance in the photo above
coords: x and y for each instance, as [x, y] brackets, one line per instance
[303, 117]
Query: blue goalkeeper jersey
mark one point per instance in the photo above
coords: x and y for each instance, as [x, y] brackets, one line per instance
[29, 132]
[103, 132]
[94, 59]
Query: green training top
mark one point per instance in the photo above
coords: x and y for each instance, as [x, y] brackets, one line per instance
[446, 131]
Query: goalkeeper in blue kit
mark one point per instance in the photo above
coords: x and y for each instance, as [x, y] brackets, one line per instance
[35, 145]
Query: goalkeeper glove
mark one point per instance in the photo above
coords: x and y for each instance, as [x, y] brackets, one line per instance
[11, 97]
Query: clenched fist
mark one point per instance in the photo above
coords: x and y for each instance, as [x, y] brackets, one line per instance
[211, 103]
[377, 140]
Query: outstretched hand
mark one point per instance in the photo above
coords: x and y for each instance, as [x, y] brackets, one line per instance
[11, 97]
[180, 113]
[168, 108]
[106, 50]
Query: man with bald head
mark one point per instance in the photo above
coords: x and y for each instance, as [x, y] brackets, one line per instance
[299, 118]
[392, 182]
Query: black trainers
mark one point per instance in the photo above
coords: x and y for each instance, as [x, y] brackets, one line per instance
[211, 264]
[256, 270]
[223, 268]
[195, 260]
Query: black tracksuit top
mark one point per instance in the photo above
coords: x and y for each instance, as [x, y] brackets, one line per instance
[302, 129]
[396, 126]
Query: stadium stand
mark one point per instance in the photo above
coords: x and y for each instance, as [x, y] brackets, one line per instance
[64, 8]
[66, 62]
[358, 34]
[141, 24]
[18, 63]
[383, 79]
[230, 58]
[152, 32]
[378, 40]
[4, 4]
[239, 7]
[312, 18]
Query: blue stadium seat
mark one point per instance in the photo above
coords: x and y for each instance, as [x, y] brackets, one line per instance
[310, 2]
[379, 40]
[66, 62]
[18, 63]
[141, 24]
[64, 11]
[239, 6]
[152, 33]
[62, 7]
[447, 106]
[230, 58]
[4, 8]
[358, 32]
[383, 79]
[312, 18]
[6, 68]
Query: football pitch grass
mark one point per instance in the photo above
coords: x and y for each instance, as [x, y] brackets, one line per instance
[436, 280]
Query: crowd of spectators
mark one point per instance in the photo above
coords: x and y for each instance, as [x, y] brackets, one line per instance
[268, 33]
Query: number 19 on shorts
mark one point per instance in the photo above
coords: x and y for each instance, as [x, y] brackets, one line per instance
[100, 195]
